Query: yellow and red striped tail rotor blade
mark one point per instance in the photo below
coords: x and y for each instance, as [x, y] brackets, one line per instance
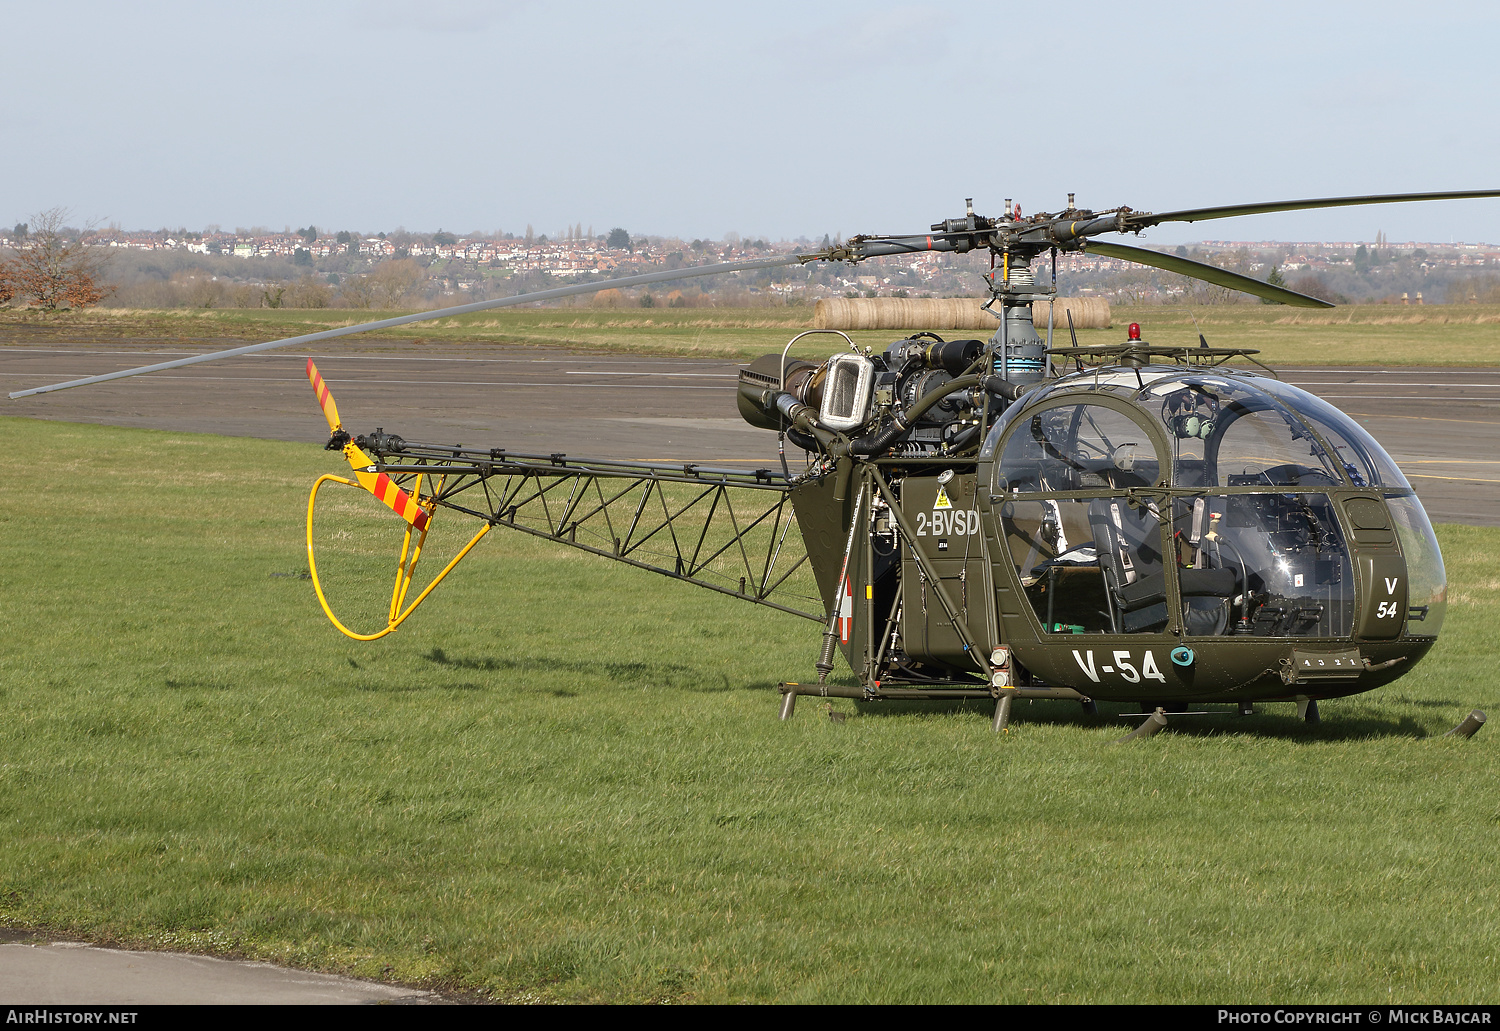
[325, 397]
[384, 488]
[377, 483]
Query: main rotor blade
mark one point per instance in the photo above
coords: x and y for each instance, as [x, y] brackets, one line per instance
[1207, 273]
[442, 313]
[1135, 221]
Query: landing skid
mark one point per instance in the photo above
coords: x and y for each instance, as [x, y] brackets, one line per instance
[1003, 697]
[1307, 708]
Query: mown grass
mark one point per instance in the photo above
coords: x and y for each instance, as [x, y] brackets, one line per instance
[1363, 334]
[1349, 335]
[563, 780]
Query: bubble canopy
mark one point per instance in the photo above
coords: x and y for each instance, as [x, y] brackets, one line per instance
[1198, 427]
[1103, 480]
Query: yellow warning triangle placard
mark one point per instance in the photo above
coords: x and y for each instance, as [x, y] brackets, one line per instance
[942, 499]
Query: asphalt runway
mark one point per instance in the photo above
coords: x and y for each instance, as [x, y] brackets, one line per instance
[1442, 425]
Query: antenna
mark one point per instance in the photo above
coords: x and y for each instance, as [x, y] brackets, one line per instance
[1202, 341]
[1073, 332]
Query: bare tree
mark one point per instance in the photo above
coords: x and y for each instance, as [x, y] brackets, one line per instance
[394, 280]
[1314, 285]
[357, 292]
[1134, 286]
[1199, 292]
[53, 268]
[308, 292]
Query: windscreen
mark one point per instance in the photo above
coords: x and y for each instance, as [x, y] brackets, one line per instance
[1359, 454]
[1231, 433]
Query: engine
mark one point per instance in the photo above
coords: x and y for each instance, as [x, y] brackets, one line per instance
[899, 402]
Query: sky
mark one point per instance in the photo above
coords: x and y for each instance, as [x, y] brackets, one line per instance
[768, 119]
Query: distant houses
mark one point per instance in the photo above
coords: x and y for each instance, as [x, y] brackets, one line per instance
[462, 262]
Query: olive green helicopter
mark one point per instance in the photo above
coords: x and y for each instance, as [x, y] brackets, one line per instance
[993, 519]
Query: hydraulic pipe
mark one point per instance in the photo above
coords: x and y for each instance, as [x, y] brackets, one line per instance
[992, 385]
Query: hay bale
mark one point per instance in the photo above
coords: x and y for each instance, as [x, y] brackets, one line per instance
[945, 313]
[1088, 313]
[901, 313]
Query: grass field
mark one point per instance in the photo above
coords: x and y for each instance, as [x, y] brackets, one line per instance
[1350, 335]
[563, 780]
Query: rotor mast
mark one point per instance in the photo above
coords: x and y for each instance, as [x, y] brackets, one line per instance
[1016, 349]
[1017, 352]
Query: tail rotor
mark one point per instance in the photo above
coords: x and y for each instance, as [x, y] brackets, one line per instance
[418, 517]
[363, 467]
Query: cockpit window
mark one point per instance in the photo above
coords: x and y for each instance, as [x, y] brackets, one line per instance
[1230, 433]
[1247, 565]
[1427, 595]
[1360, 456]
[1076, 447]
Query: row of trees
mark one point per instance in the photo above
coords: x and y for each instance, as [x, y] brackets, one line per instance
[51, 267]
[392, 284]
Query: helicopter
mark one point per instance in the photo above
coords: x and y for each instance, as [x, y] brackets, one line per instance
[993, 519]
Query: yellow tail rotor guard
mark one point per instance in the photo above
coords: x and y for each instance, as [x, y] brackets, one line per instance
[405, 566]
